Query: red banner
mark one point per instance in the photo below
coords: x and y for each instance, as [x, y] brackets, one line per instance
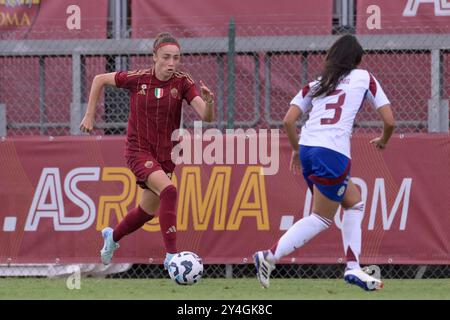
[57, 194]
[44, 19]
[406, 16]
[196, 18]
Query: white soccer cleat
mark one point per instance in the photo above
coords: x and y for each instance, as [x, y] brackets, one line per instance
[263, 268]
[361, 279]
[109, 246]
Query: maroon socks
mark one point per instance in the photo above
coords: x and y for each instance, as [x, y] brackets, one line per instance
[134, 219]
[168, 218]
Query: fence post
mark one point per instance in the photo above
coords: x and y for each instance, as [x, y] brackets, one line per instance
[75, 106]
[220, 91]
[267, 87]
[304, 69]
[437, 107]
[420, 272]
[228, 271]
[257, 89]
[119, 29]
[230, 73]
[2, 120]
[42, 104]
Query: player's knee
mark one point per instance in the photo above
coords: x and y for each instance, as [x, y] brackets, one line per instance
[169, 193]
[149, 207]
[149, 202]
[357, 206]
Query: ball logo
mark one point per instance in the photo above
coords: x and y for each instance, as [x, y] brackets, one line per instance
[375, 272]
[148, 164]
[341, 191]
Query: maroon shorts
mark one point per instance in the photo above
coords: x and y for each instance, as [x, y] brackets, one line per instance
[143, 164]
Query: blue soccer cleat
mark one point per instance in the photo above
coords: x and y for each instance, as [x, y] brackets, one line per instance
[363, 280]
[169, 257]
[109, 246]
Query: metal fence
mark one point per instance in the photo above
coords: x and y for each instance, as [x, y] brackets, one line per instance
[245, 270]
[44, 88]
[44, 84]
[306, 271]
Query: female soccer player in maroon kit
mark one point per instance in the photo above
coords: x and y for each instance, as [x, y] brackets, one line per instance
[156, 97]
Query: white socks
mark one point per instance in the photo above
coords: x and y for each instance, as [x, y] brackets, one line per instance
[307, 228]
[301, 232]
[351, 234]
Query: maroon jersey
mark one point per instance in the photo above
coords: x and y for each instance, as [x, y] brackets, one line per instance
[155, 109]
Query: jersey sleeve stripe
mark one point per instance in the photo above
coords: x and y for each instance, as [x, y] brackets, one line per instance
[181, 74]
[372, 85]
[305, 90]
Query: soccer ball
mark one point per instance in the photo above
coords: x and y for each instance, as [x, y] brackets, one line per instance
[186, 268]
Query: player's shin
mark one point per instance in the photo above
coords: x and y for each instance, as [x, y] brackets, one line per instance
[300, 233]
[168, 218]
[134, 219]
[351, 234]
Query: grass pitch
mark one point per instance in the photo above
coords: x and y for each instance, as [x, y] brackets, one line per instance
[218, 289]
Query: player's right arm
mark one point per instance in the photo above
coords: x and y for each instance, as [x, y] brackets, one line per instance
[100, 80]
[299, 104]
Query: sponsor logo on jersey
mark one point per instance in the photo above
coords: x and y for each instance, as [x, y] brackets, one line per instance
[143, 88]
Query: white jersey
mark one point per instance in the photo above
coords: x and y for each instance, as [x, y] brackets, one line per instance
[331, 117]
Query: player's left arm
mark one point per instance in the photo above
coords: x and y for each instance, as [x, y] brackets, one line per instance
[299, 105]
[387, 116]
[380, 101]
[204, 105]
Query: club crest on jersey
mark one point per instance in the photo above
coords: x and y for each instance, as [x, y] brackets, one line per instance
[148, 164]
[143, 88]
[159, 93]
[174, 93]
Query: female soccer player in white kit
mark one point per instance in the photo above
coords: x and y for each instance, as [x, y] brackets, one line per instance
[324, 152]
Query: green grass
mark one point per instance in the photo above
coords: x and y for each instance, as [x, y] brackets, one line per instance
[217, 289]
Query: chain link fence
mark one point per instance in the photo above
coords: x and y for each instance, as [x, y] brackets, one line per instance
[156, 271]
[44, 88]
[45, 83]
[304, 271]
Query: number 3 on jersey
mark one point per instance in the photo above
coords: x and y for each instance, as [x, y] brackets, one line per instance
[336, 106]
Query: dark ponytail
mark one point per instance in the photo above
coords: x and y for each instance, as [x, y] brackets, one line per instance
[342, 57]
